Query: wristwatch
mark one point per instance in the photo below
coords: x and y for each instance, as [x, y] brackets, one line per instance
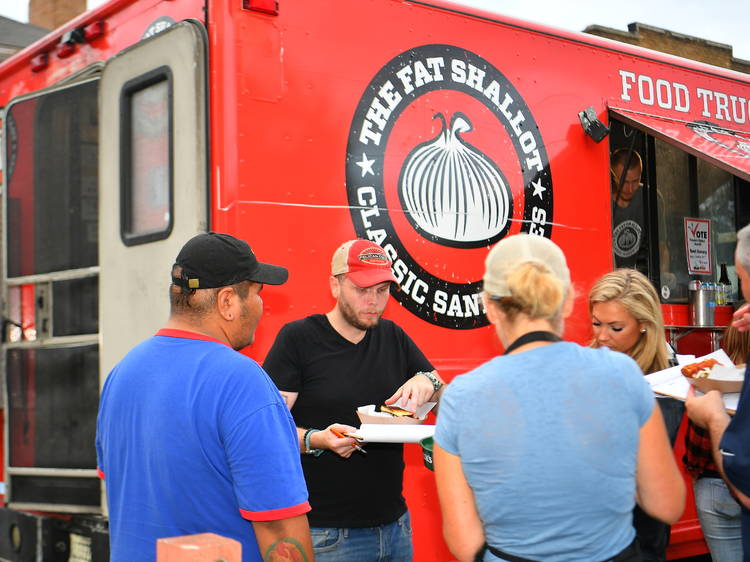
[306, 439]
[436, 384]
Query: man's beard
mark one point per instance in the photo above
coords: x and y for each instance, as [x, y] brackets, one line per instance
[351, 317]
[249, 337]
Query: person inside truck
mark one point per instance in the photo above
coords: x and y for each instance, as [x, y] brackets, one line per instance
[326, 366]
[541, 453]
[192, 436]
[718, 512]
[628, 210]
[629, 223]
[730, 437]
[626, 317]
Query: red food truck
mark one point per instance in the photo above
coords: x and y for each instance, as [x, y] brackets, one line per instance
[430, 128]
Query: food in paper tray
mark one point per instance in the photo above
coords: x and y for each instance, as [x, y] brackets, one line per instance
[710, 375]
[699, 370]
[368, 414]
[396, 411]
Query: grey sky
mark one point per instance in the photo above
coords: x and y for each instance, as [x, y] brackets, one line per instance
[722, 21]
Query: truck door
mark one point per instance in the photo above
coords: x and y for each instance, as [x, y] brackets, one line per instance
[105, 177]
[153, 179]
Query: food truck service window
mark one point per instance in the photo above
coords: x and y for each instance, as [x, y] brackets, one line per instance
[676, 210]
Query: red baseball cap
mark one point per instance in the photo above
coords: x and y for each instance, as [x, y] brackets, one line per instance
[364, 262]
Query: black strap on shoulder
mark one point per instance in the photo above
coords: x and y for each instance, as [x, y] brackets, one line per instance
[531, 337]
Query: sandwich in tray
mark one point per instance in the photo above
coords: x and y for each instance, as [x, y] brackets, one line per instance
[699, 370]
[710, 374]
[397, 411]
[393, 414]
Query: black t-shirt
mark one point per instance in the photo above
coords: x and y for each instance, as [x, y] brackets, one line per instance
[333, 378]
[629, 236]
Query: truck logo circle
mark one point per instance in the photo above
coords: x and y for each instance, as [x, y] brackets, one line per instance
[444, 158]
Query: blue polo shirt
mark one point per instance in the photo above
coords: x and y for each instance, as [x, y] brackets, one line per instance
[735, 450]
[193, 437]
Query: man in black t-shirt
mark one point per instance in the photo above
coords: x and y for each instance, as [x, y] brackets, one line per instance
[629, 240]
[326, 366]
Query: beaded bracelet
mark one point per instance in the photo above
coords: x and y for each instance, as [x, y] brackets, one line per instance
[306, 439]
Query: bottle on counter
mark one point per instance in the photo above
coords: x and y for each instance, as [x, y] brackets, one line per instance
[725, 286]
[712, 293]
[719, 293]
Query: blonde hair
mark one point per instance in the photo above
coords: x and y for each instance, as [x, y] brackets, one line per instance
[534, 291]
[637, 295]
[736, 344]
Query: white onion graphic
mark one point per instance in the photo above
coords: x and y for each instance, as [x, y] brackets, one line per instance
[452, 191]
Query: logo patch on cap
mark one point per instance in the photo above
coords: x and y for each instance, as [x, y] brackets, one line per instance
[373, 256]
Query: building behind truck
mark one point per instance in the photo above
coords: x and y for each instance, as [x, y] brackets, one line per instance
[430, 128]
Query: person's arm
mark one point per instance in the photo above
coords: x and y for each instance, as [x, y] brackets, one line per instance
[324, 438]
[709, 411]
[462, 528]
[284, 540]
[660, 489]
[417, 390]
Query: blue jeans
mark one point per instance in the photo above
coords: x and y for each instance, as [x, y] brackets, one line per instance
[719, 514]
[390, 542]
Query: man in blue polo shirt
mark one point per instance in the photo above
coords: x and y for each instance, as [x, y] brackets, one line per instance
[730, 437]
[193, 437]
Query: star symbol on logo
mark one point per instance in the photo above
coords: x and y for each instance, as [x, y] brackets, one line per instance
[366, 165]
[538, 188]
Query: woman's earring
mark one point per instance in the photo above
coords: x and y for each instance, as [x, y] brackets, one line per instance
[643, 330]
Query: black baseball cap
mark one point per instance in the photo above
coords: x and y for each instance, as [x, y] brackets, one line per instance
[214, 259]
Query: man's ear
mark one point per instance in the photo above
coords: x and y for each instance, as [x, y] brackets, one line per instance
[335, 286]
[225, 302]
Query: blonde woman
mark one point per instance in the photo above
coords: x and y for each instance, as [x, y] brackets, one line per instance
[541, 452]
[626, 317]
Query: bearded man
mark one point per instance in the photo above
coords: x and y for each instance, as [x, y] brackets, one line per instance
[326, 366]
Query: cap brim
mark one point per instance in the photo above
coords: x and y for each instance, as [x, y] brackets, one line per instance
[372, 277]
[269, 274]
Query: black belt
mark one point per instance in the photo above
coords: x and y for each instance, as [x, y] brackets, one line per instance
[630, 553]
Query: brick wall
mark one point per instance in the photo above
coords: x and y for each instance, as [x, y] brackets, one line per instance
[687, 46]
[51, 14]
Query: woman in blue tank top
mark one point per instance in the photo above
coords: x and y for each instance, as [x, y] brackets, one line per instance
[541, 453]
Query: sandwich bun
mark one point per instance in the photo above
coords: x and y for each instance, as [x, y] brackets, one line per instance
[396, 411]
[699, 370]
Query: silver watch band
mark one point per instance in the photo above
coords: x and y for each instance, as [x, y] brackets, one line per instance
[436, 384]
